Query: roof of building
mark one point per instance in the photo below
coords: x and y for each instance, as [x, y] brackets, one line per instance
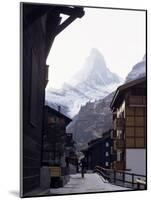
[58, 113]
[121, 89]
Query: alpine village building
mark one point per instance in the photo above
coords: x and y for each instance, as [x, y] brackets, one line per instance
[129, 117]
[40, 24]
[99, 152]
[54, 146]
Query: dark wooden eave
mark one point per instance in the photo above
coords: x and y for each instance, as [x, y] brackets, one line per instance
[121, 89]
[35, 11]
[73, 12]
[32, 12]
[57, 113]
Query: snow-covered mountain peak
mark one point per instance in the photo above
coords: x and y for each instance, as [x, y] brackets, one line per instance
[96, 59]
[95, 71]
[94, 81]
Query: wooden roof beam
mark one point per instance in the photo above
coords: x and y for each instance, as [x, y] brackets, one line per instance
[73, 13]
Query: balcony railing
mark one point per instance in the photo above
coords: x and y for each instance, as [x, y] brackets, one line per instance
[113, 134]
[119, 123]
[137, 101]
[123, 178]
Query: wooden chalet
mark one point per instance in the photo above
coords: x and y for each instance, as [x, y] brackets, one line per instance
[129, 117]
[54, 145]
[99, 152]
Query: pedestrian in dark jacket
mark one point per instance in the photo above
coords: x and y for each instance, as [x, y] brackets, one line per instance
[83, 167]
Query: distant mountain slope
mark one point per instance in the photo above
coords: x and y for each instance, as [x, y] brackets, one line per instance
[138, 71]
[94, 81]
[92, 120]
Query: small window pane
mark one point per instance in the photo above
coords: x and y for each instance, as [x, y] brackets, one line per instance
[51, 120]
[130, 121]
[140, 142]
[106, 153]
[139, 121]
[106, 144]
[129, 131]
[130, 142]
[129, 111]
[139, 132]
[139, 111]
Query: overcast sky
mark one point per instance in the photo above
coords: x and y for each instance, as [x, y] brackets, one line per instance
[118, 34]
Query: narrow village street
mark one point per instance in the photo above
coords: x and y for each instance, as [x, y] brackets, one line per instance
[83, 121]
[91, 182]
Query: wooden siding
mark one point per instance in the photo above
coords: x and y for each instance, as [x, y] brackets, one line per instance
[135, 130]
[34, 53]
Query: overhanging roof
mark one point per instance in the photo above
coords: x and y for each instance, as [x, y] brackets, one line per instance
[59, 114]
[125, 86]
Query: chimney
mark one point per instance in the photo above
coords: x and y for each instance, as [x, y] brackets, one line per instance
[59, 108]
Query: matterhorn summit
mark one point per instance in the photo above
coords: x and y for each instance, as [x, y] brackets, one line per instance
[93, 82]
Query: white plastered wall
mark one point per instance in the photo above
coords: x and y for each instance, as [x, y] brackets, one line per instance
[136, 160]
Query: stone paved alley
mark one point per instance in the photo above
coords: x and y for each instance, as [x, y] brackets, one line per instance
[92, 182]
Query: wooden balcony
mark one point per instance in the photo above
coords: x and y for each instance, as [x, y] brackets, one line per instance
[114, 115]
[137, 101]
[119, 123]
[119, 144]
[113, 134]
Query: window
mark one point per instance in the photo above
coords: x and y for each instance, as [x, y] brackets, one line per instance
[129, 131]
[129, 111]
[135, 142]
[130, 121]
[106, 153]
[118, 156]
[51, 120]
[139, 131]
[119, 134]
[130, 142]
[139, 121]
[106, 164]
[140, 143]
[138, 91]
[107, 144]
[139, 111]
[111, 150]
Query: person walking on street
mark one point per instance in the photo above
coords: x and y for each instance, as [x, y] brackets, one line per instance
[83, 167]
